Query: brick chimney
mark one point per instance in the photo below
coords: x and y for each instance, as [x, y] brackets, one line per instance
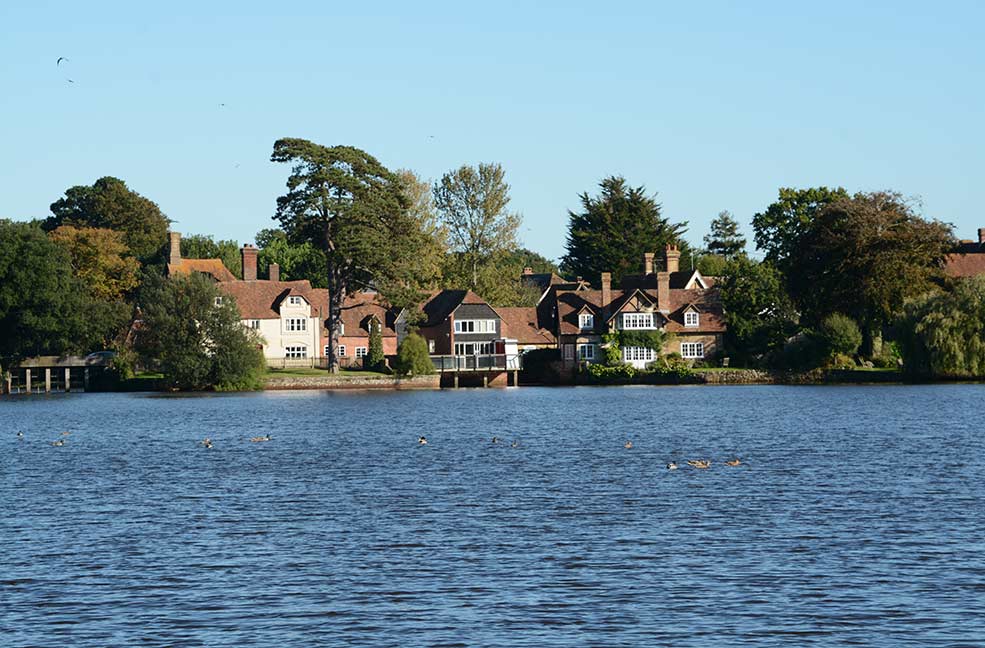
[981, 234]
[648, 263]
[663, 292]
[174, 247]
[249, 263]
[673, 258]
[274, 272]
[606, 295]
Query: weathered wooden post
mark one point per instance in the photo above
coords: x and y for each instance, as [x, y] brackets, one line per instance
[485, 380]
[68, 379]
[47, 380]
[8, 380]
[27, 379]
[455, 375]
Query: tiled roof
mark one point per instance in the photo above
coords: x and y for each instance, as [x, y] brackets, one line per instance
[443, 303]
[261, 299]
[212, 267]
[357, 310]
[966, 263]
[706, 301]
[541, 280]
[520, 324]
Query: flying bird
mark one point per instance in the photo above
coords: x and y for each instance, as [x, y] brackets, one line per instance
[60, 59]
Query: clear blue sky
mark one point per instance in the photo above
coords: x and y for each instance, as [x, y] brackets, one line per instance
[713, 105]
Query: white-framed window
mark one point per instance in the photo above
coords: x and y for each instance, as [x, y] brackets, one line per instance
[569, 352]
[253, 324]
[292, 324]
[475, 326]
[218, 301]
[692, 349]
[430, 346]
[294, 300]
[586, 351]
[361, 352]
[586, 321]
[299, 351]
[638, 354]
[691, 318]
[473, 348]
[637, 320]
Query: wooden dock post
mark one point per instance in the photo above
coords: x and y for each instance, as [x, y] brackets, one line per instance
[47, 380]
[485, 380]
[456, 380]
[27, 380]
[68, 379]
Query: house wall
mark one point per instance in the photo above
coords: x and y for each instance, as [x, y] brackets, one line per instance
[712, 342]
[473, 312]
[441, 334]
[276, 337]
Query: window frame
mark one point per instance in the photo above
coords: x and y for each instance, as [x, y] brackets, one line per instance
[295, 300]
[581, 351]
[586, 321]
[693, 350]
[637, 321]
[475, 326]
[688, 315]
[638, 354]
[296, 352]
[361, 352]
[291, 324]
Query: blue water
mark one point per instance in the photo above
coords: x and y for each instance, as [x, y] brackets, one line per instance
[855, 518]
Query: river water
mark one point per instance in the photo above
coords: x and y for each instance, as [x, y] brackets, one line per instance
[855, 518]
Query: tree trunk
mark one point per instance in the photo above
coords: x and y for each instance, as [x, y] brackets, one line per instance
[336, 297]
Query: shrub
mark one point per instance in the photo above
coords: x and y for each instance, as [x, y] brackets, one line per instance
[375, 360]
[540, 365]
[413, 358]
[602, 374]
[839, 334]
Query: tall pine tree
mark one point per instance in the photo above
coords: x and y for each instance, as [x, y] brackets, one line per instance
[615, 229]
[724, 238]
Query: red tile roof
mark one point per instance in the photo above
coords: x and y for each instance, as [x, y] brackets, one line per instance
[965, 264]
[706, 301]
[359, 307]
[261, 299]
[520, 324]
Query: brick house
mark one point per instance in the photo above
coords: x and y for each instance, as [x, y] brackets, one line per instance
[683, 303]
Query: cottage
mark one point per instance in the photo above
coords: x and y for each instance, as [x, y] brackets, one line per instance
[968, 259]
[685, 304]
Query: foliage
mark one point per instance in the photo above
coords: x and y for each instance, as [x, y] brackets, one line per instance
[839, 335]
[654, 339]
[758, 312]
[375, 360]
[471, 203]
[100, 259]
[617, 373]
[109, 204]
[297, 261]
[615, 229]
[778, 229]
[197, 343]
[413, 358]
[611, 350]
[866, 256]
[200, 246]
[943, 333]
[498, 280]
[44, 307]
[541, 365]
[625, 374]
[523, 258]
[343, 201]
[712, 265]
[724, 239]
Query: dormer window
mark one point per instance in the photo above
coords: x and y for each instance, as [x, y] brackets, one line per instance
[586, 321]
[637, 320]
[294, 300]
[691, 318]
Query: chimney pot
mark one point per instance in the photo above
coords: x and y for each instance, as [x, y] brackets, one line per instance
[648, 263]
[274, 272]
[606, 294]
[673, 258]
[249, 263]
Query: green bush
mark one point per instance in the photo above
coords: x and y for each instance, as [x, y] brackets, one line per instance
[618, 374]
[540, 365]
[839, 334]
[375, 360]
[413, 358]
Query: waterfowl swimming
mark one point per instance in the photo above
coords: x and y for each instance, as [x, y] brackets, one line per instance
[66, 433]
[495, 439]
[733, 462]
[206, 441]
[699, 463]
[515, 444]
[628, 445]
[422, 440]
[59, 443]
[672, 465]
[258, 439]
[20, 435]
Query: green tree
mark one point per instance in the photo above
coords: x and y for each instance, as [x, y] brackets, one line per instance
[342, 200]
[297, 261]
[758, 312]
[109, 204]
[839, 334]
[712, 265]
[864, 257]
[724, 238]
[942, 334]
[194, 334]
[44, 308]
[779, 228]
[412, 357]
[201, 246]
[100, 258]
[472, 203]
[523, 258]
[498, 280]
[615, 229]
[375, 360]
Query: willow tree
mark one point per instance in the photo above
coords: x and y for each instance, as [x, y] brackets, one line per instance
[942, 334]
[343, 201]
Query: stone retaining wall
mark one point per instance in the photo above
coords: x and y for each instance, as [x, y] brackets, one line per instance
[736, 377]
[334, 382]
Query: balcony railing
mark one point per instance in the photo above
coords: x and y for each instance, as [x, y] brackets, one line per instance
[482, 362]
